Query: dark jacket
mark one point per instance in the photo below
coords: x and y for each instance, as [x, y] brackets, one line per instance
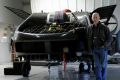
[99, 37]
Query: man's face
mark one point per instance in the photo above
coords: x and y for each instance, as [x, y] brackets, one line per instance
[95, 18]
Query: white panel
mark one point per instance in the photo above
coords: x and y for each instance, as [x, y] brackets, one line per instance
[89, 5]
[105, 2]
[64, 4]
[72, 5]
[98, 3]
[33, 7]
[52, 5]
[81, 5]
[39, 5]
[108, 2]
[55, 5]
[112, 2]
[48, 5]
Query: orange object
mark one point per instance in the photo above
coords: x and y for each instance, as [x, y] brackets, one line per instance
[64, 61]
[13, 55]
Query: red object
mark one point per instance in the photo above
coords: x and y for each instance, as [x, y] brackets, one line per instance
[13, 51]
[64, 61]
[67, 10]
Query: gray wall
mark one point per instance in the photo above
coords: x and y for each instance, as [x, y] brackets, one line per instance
[27, 7]
[73, 5]
[7, 18]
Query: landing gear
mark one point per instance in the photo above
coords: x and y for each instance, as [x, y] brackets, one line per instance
[26, 67]
[84, 67]
[86, 64]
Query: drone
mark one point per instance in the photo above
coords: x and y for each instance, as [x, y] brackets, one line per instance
[50, 35]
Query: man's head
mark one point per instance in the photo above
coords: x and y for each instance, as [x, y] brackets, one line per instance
[95, 18]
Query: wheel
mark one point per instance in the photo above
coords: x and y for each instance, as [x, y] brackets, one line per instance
[84, 67]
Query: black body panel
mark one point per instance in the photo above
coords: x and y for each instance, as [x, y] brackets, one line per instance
[35, 34]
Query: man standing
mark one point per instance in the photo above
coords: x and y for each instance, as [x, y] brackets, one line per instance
[99, 39]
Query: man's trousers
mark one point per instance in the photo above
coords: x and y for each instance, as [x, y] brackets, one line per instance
[100, 59]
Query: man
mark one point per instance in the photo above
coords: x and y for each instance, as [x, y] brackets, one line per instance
[99, 38]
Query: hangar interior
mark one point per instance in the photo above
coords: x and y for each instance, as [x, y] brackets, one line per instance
[45, 65]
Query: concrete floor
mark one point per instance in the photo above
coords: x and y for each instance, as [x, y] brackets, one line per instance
[57, 73]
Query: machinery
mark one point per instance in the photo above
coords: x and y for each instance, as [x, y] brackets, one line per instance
[51, 35]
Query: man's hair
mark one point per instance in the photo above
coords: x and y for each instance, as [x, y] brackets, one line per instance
[96, 13]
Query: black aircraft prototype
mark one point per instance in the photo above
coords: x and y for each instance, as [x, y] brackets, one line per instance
[57, 33]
